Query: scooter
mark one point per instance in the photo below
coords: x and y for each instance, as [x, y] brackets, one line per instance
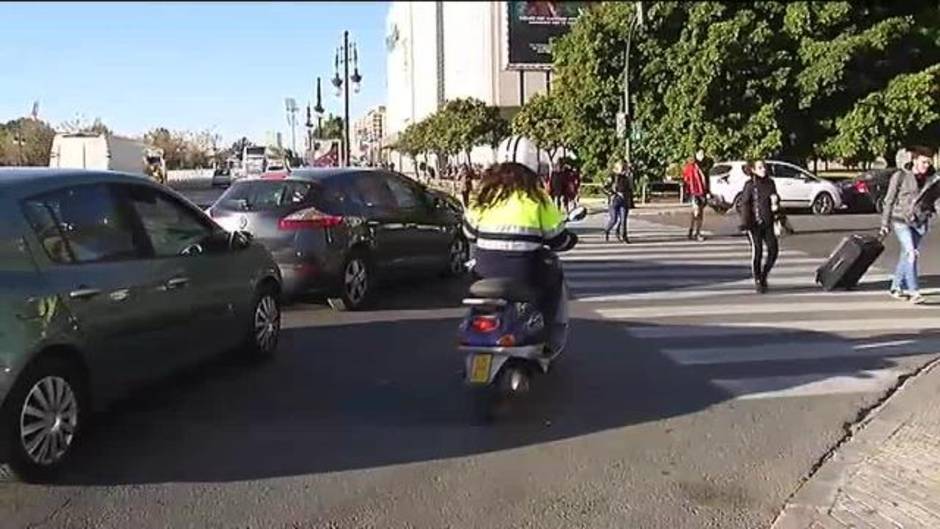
[505, 338]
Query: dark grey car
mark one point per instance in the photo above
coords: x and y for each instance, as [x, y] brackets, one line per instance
[337, 231]
[108, 281]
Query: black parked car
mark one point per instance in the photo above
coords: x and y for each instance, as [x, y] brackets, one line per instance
[338, 231]
[866, 192]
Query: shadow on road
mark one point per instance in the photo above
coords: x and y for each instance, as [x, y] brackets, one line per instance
[350, 397]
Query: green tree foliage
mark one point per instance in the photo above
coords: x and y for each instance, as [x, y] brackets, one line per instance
[457, 127]
[747, 79]
[541, 120]
[907, 111]
[331, 128]
[25, 141]
[184, 150]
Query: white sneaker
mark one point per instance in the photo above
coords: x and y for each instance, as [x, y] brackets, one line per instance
[917, 299]
[898, 294]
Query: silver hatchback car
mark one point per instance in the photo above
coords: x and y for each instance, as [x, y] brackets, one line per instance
[107, 281]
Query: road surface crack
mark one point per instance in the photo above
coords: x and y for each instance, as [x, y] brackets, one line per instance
[55, 512]
[850, 428]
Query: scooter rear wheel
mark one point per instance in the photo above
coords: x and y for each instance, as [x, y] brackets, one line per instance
[496, 401]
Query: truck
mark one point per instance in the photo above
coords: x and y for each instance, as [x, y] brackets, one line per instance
[103, 152]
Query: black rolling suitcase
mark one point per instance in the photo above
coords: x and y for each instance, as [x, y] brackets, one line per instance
[849, 262]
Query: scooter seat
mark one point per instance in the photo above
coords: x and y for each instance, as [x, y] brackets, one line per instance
[501, 288]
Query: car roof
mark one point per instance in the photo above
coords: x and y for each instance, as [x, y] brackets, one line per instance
[28, 180]
[315, 174]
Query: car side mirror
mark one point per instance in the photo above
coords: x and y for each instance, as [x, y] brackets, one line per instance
[577, 214]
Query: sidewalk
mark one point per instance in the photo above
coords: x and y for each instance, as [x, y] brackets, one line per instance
[886, 475]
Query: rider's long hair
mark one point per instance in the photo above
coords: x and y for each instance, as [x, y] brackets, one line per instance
[502, 180]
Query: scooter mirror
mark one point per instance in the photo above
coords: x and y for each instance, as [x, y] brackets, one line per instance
[577, 213]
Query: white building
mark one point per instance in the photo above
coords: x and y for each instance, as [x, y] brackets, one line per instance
[438, 51]
[367, 136]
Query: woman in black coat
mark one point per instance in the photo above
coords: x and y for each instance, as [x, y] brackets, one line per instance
[760, 204]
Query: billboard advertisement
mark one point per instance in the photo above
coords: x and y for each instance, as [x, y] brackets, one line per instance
[532, 26]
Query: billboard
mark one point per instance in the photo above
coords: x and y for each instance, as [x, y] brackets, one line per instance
[531, 28]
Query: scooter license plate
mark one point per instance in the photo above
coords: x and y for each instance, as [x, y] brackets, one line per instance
[480, 368]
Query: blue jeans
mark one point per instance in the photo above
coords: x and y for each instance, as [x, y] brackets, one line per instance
[617, 216]
[905, 275]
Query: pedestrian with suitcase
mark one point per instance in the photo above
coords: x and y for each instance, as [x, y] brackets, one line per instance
[759, 209]
[908, 208]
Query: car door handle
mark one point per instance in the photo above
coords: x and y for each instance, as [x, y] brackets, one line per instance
[175, 282]
[84, 293]
[120, 294]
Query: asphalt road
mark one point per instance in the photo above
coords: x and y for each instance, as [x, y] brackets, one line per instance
[684, 400]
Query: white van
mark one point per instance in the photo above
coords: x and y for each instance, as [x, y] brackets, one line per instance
[98, 152]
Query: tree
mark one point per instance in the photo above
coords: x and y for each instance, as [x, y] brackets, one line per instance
[541, 120]
[739, 80]
[81, 126]
[332, 128]
[906, 112]
[238, 147]
[26, 141]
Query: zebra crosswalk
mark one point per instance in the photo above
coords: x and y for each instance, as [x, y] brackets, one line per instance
[694, 303]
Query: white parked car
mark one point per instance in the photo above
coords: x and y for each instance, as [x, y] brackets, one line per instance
[797, 187]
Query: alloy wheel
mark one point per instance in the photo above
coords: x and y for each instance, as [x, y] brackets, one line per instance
[458, 256]
[267, 323]
[823, 204]
[356, 281]
[48, 420]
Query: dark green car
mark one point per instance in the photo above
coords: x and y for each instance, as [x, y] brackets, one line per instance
[108, 281]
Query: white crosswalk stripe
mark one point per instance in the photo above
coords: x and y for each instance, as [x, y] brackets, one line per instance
[694, 303]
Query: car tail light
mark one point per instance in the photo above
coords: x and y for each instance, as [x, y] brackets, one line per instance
[861, 187]
[309, 218]
[484, 323]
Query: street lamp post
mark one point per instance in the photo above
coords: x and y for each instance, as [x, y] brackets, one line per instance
[343, 55]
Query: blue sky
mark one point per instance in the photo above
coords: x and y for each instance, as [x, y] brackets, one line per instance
[221, 66]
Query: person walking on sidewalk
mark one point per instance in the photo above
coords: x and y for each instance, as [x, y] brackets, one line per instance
[908, 207]
[697, 186]
[466, 185]
[760, 204]
[620, 192]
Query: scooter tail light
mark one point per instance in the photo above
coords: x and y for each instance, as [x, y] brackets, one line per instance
[484, 323]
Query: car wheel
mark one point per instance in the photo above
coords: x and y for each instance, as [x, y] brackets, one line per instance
[457, 257]
[879, 205]
[823, 204]
[44, 417]
[736, 205]
[265, 323]
[356, 284]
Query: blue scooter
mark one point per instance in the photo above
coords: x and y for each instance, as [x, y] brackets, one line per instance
[505, 338]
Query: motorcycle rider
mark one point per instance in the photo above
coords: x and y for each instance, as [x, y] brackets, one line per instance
[510, 223]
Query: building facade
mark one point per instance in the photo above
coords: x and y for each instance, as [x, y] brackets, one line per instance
[367, 137]
[437, 51]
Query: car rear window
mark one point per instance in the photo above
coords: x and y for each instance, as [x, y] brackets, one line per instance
[719, 169]
[262, 195]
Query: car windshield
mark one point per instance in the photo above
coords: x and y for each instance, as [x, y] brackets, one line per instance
[261, 195]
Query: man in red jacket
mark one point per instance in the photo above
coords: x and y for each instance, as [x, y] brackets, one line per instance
[696, 185]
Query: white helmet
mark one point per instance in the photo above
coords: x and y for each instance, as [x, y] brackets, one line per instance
[518, 149]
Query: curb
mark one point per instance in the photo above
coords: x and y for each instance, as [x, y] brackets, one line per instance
[809, 506]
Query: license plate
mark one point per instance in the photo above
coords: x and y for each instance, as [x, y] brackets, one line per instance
[480, 368]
